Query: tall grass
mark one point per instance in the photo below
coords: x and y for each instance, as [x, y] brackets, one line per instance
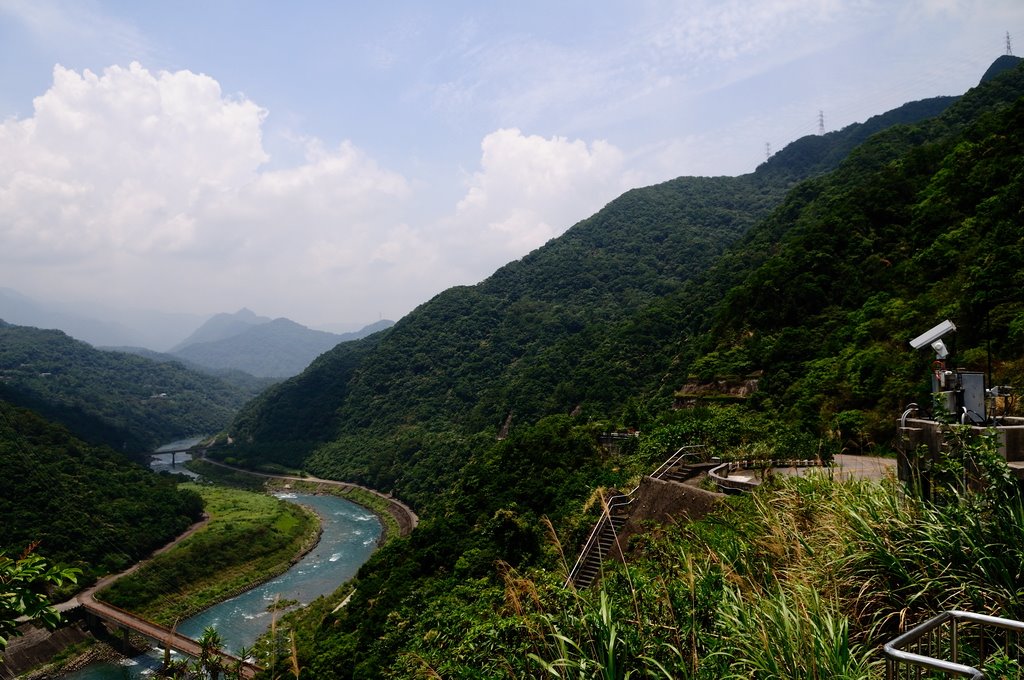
[790, 633]
[804, 579]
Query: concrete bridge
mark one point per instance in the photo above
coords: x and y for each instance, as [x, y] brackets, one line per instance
[166, 638]
[174, 453]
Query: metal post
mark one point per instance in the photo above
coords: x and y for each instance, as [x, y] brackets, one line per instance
[956, 651]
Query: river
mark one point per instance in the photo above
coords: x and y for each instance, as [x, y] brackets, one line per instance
[350, 535]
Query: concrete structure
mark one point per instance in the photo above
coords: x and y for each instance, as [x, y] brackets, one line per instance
[925, 437]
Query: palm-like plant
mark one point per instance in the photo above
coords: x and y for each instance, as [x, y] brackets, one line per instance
[211, 645]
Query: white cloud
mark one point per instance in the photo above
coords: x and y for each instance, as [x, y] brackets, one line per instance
[153, 189]
[142, 187]
[528, 190]
[120, 161]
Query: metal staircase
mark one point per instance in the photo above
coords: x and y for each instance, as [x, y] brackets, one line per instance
[682, 465]
[602, 543]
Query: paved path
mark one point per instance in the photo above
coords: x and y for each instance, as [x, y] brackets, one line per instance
[102, 583]
[165, 636]
[846, 466]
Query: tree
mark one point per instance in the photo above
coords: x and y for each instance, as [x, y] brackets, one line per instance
[210, 647]
[23, 585]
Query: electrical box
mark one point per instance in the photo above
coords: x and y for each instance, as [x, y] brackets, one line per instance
[972, 386]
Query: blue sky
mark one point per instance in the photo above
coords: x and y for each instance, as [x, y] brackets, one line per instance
[337, 162]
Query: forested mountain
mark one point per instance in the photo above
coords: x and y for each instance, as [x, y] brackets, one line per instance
[259, 346]
[518, 343]
[85, 506]
[223, 326]
[822, 297]
[811, 273]
[245, 382]
[124, 401]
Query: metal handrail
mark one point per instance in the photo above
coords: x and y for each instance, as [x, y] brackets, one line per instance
[617, 501]
[688, 451]
[911, 408]
[895, 653]
[724, 482]
[622, 500]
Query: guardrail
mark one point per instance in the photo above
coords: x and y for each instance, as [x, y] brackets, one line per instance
[720, 474]
[963, 637]
[615, 502]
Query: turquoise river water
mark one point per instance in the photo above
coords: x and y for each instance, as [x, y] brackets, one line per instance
[350, 535]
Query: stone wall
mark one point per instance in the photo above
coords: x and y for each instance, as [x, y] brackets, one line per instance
[665, 502]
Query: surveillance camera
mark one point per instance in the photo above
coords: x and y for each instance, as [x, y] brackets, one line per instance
[940, 349]
[932, 334]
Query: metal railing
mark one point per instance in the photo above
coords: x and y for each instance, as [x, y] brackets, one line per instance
[615, 502]
[720, 474]
[962, 637]
[688, 451]
[622, 500]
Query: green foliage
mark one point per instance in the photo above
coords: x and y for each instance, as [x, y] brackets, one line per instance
[917, 225]
[85, 505]
[24, 581]
[815, 291]
[122, 400]
[285, 423]
[728, 431]
[533, 339]
[791, 635]
[250, 536]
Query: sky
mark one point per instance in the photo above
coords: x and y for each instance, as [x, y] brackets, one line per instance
[341, 162]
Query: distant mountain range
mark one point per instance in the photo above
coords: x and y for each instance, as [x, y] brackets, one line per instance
[221, 327]
[98, 326]
[260, 346]
[243, 341]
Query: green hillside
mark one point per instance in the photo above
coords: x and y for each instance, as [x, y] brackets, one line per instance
[816, 292]
[85, 506]
[121, 400]
[920, 224]
[521, 343]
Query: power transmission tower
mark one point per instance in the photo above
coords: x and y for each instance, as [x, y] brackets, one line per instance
[1009, 47]
[767, 150]
[821, 122]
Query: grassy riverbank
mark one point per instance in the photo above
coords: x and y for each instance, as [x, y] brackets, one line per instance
[371, 501]
[244, 480]
[251, 537]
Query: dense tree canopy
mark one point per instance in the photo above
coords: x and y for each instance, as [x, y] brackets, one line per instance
[811, 273]
[542, 336]
[79, 504]
[122, 400]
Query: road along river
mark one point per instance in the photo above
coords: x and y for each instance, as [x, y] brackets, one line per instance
[350, 535]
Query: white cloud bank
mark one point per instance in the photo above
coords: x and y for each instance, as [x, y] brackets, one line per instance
[529, 189]
[151, 190]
